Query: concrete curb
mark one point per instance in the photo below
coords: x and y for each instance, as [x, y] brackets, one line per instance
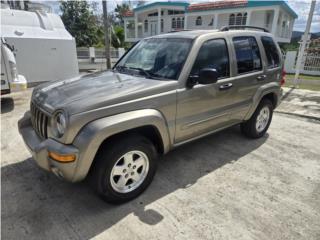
[298, 115]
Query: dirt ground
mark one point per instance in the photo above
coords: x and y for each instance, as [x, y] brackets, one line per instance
[221, 187]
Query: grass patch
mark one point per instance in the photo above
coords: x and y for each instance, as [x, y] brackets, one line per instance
[302, 76]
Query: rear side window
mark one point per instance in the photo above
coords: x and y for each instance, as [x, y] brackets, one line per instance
[271, 52]
[247, 53]
[213, 54]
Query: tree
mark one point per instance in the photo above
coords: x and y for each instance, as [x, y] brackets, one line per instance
[117, 37]
[120, 11]
[79, 20]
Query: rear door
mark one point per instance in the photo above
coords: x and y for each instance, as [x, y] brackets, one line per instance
[272, 54]
[249, 74]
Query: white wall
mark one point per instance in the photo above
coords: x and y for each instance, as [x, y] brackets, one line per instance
[223, 20]
[290, 61]
[206, 20]
[312, 69]
[258, 18]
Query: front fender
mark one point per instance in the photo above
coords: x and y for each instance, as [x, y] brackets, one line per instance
[272, 87]
[94, 133]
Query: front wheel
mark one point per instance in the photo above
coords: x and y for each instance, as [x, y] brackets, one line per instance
[124, 169]
[260, 121]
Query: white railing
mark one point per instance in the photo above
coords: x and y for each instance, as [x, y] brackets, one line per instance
[130, 33]
[311, 63]
[283, 32]
[98, 53]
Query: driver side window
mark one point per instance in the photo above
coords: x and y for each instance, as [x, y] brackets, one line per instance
[213, 54]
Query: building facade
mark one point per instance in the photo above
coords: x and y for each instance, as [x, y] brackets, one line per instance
[163, 17]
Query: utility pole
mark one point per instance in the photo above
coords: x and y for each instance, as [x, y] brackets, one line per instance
[303, 44]
[106, 32]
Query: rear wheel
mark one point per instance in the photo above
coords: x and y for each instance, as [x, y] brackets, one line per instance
[124, 169]
[260, 121]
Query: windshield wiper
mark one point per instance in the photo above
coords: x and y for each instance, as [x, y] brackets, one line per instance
[145, 72]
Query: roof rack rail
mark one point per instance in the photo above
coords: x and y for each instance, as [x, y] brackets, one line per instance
[180, 30]
[227, 28]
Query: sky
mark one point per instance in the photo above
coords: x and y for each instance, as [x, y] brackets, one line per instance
[301, 7]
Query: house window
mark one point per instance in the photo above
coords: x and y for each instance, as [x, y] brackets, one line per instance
[175, 12]
[268, 20]
[239, 19]
[182, 23]
[244, 19]
[211, 22]
[153, 14]
[178, 23]
[145, 25]
[162, 25]
[173, 23]
[231, 19]
[199, 21]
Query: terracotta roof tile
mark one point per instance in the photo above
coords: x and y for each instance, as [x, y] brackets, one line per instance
[217, 5]
[128, 13]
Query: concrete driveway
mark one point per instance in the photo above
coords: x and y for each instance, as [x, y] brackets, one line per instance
[221, 187]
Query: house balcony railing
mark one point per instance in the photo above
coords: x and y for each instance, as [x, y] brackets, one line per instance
[283, 32]
[130, 33]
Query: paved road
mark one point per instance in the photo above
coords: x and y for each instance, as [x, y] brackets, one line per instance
[221, 187]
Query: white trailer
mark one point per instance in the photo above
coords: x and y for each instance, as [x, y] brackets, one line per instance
[44, 49]
[10, 79]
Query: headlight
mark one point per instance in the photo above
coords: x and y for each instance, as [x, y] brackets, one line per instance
[59, 124]
[14, 71]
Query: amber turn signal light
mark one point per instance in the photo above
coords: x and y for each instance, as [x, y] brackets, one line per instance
[65, 158]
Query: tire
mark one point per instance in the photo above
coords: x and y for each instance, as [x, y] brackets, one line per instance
[250, 128]
[108, 177]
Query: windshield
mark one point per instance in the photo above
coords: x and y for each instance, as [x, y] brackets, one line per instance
[161, 58]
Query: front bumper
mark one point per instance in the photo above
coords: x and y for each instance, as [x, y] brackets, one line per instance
[39, 149]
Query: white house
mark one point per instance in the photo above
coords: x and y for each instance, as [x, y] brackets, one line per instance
[162, 17]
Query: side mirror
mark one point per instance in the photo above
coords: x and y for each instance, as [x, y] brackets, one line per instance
[208, 76]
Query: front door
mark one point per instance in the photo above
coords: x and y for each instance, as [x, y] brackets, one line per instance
[204, 108]
[153, 28]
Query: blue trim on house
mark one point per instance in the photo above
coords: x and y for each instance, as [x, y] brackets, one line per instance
[153, 4]
[262, 3]
[251, 3]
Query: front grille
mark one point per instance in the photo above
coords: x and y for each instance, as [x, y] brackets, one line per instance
[39, 121]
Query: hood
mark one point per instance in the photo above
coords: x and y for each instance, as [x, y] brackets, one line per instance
[96, 90]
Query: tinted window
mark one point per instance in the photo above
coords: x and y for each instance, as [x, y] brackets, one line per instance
[271, 52]
[247, 53]
[213, 54]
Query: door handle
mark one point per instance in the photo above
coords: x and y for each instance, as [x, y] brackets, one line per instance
[261, 77]
[225, 86]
